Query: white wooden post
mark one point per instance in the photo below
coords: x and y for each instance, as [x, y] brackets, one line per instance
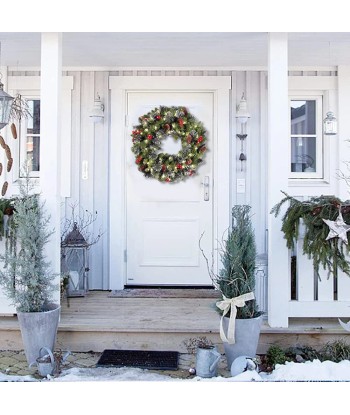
[50, 154]
[278, 162]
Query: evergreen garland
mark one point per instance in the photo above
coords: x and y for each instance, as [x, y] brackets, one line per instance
[330, 254]
[156, 126]
[26, 277]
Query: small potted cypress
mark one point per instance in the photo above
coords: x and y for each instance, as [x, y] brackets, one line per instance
[26, 276]
[240, 317]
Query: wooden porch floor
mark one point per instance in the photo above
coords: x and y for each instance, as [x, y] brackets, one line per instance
[97, 322]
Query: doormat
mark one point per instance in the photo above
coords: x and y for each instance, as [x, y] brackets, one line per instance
[143, 359]
[165, 293]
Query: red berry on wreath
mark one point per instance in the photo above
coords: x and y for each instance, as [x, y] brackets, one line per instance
[168, 179]
[150, 136]
[167, 126]
[163, 167]
[138, 160]
[158, 117]
[200, 139]
[179, 166]
[181, 122]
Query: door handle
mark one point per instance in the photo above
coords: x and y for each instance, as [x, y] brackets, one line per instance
[206, 188]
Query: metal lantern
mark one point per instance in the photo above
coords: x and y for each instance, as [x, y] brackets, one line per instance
[5, 106]
[75, 262]
[330, 125]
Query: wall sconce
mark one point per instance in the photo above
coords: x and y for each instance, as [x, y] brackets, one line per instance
[242, 116]
[330, 124]
[97, 112]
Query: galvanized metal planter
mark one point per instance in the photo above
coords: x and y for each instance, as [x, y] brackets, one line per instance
[247, 333]
[39, 330]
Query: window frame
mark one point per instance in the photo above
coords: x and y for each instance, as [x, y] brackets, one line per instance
[320, 162]
[22, 126]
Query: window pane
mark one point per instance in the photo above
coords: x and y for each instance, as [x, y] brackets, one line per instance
[303, 154]
[33, 153]
[303, 117]
[33, 126]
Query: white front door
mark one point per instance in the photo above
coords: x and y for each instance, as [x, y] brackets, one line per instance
[154, 227]
[165, 221]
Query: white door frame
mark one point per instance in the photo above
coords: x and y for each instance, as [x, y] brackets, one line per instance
[120, 86]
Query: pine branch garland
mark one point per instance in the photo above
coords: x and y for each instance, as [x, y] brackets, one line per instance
[329, 254]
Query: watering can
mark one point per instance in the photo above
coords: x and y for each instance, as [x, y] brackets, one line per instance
[46, 362]
[207, 361]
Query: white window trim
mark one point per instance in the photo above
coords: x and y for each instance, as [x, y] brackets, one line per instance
[319, 173]
[29, 86]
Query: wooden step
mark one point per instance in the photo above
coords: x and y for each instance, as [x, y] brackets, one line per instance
[97, 322]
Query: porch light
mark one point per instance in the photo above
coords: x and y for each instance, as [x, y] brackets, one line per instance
[97, 112]
[242, 114]
[5, 106]
[330, 124]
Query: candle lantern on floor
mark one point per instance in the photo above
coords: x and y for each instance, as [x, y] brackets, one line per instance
[75, 262]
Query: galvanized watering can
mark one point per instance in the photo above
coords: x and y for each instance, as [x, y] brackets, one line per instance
[207, 361]
[46, 362]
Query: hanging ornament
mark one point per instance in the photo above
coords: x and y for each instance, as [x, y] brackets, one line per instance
[338, 228]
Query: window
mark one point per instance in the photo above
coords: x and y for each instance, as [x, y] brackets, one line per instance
[306, 137]
[30, 137]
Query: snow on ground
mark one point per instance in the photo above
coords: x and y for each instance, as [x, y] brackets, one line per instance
[289, 372]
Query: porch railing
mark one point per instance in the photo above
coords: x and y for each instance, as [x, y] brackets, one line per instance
[312, 295]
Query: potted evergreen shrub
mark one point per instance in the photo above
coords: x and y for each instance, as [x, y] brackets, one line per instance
[26, 276]
[240, 318]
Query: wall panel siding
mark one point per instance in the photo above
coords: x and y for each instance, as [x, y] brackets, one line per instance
[91, 142]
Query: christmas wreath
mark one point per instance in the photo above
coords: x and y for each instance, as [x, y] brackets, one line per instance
[156, 126]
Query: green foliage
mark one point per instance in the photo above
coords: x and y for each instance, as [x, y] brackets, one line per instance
[329, 254]
[335, 351]
[26, 276]
[238, 256]
[275, 355]
[6, 208]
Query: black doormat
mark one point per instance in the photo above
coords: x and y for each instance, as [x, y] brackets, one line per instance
[143, 359]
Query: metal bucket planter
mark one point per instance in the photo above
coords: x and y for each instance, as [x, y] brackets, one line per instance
[39, 330]
[247, 333]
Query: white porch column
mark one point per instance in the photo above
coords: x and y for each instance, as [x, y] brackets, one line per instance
[51, 78]
[278, 171]
[344, 128]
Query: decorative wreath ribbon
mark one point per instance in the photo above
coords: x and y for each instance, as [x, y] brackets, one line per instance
[225, 305]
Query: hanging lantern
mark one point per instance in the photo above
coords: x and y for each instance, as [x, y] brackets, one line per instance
[5, 106]
[75, 262]
[330, 125]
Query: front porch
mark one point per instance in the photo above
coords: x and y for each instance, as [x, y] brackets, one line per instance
[98, 322]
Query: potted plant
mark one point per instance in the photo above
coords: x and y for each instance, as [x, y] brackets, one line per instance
[240, 317]
[26, 277]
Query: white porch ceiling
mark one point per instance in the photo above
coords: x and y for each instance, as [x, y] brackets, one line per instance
[176, 49]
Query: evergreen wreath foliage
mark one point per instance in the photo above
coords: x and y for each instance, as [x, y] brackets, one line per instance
[238, 257]
[330, 254]
[156, 126]
[26, 276]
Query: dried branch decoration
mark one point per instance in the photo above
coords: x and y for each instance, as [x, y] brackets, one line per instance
[19, 110]
[9, 165]
[0, 169]
[2, 142]
[14, 130]
[82, 220]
